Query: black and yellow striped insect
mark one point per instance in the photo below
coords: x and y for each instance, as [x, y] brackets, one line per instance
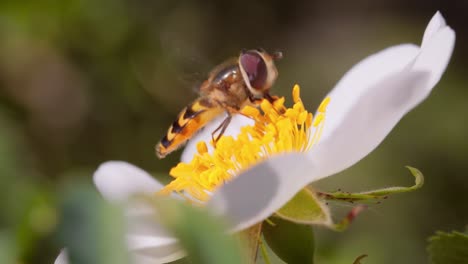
[230, 86]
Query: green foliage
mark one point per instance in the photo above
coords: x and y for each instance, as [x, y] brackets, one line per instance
[292, 242]
[37, 221]
[379, 193]
[448, 248]
[358, 259]
[7, 248]
[91, 229]
[202, 236]
[305, 208]
[27, 214]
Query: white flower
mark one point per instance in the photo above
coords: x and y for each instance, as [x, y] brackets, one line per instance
[365, 105]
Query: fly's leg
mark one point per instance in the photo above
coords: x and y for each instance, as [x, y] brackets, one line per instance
[221, 128]
[255, 101]
[270, 98]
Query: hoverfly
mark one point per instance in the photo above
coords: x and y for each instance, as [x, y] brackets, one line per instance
[230, 86]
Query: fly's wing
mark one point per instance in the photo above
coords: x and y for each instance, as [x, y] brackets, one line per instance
[206, 87]
[189, 121]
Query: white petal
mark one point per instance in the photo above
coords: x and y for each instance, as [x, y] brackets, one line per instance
[364, 125]
[233, 129]
[437, 23]
[435, 54]
[118, 180]
[149, 255]
[362, 113]
[142, 221]
[259, 192]
[154, 250]
[151, 259]
[62, 257]
[147, 239]
[139, 242]
[363, 77]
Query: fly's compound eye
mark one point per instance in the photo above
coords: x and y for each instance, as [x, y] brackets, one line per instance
[255, 69]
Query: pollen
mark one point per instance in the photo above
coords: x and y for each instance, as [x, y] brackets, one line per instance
[276, 129]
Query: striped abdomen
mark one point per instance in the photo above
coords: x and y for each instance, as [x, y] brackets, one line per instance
[191, 119]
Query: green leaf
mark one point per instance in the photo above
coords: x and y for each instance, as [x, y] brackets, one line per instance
[91, 229]
[8, 251]
[448, 248]
[202, 235]
[376, 194]
[358, 259]
[293, 243]
[37, 221]
[305, 208]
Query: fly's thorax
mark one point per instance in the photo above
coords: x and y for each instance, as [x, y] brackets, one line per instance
[229, 73]
[226, 87]
[232, 96]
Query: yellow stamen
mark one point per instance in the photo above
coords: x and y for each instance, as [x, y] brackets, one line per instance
[201, 147]
[277, 129]
[323, 106]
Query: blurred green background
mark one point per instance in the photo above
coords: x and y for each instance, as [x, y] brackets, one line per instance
[85, 81]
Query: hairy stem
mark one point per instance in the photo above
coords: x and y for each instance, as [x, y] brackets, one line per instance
[252, 235]
[266, 259]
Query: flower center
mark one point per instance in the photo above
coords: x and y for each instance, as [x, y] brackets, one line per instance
[276, 129]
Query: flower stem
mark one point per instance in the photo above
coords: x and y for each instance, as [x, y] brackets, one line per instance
[266, 259]
[253, 241]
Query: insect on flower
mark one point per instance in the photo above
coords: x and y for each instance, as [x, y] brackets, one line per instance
[233, 84]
